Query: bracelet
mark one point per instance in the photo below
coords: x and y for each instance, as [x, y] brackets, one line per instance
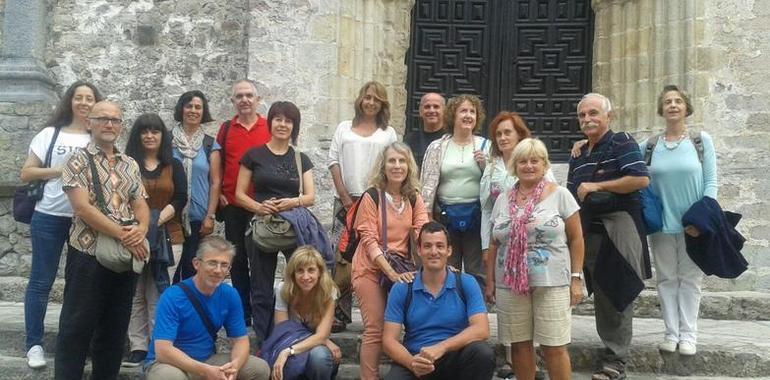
[299, 201]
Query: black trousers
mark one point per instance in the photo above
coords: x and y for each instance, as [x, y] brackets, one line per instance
[95, 315]
[263, 265]
[475, 361]
[236, 223]
[184, 268]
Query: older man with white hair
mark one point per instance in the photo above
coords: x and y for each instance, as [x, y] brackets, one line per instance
[606, 178]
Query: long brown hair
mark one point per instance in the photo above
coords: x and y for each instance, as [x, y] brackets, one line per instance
[381, 94]
[411, 186]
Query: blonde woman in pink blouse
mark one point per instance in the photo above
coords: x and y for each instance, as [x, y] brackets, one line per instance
[395, 179]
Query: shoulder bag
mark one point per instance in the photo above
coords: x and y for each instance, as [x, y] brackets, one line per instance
[204, 316]
[109, 252]
[399, 263]
[283, 336]
[273, 233]
[25, 198]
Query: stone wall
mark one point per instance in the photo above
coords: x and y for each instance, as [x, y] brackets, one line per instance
[718, 51]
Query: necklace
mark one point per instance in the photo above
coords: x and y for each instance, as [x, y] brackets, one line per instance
[675, 144]
[524, 195]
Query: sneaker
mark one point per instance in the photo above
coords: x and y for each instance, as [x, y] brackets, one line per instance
[134, 359]
[667, 346]
[36, 357]
[687, 348]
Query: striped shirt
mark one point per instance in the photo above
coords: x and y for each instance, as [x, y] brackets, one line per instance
[616, 155]
[121, 183]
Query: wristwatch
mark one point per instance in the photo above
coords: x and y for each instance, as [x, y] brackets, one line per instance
[291, 350]
[211, 216]
[577, 275]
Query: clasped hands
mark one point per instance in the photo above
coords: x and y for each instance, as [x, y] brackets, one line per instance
[133, 239]
[424, 361]
[226, 371]
[275, 205]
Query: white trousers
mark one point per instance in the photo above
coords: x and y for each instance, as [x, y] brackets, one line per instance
[679, 286]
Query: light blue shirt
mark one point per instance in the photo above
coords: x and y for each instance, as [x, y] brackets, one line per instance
[199, 183]
[679, 178]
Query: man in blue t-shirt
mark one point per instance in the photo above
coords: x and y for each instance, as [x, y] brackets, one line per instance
[182, 346]
[446, 323]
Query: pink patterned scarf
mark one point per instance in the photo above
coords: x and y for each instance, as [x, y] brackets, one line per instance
[516, 274]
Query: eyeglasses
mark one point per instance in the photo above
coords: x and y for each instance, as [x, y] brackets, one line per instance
[106, 120]
[213, 264]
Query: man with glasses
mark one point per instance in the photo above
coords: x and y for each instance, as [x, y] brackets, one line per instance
[247, 129]
[181, 345]
[97, 300]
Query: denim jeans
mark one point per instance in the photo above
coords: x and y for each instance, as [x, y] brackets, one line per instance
[48, 234]
[97, 304]
[184, 268]
[320, 365]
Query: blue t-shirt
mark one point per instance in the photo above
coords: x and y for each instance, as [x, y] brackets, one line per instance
[199, 182]
[434, 319]
[176, 320]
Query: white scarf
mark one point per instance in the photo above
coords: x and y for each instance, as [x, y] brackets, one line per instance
[189, 150]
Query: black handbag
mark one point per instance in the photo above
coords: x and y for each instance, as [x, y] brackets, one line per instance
[25, 198]
[602, 202]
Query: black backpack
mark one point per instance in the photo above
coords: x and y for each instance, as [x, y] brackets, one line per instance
[208, 145]
[696, 138]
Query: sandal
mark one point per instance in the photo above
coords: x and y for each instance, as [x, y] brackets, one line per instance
[505, 371]
[609, 372]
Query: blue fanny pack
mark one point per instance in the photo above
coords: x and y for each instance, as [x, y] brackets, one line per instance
[461, 217]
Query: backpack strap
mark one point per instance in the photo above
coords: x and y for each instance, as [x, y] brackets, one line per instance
[458, 289]
[208, 145]
[651, 143]
[225, 132]
[697, 141]
[199, 308]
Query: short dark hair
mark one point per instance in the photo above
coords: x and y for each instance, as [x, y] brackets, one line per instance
[431, 228]
[290, 111]
[62, 115]
[672, 87]
[134, 147]
[187, 97]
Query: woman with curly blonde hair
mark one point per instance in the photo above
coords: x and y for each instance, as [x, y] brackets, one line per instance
[307, 295]
[400, 205]
[451, 177]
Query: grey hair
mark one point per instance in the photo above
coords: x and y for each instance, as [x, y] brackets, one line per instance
[422, 99]
[244, 80]
[214, 243]
[606, 104]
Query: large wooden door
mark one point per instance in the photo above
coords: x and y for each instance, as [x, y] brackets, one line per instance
[528, 56]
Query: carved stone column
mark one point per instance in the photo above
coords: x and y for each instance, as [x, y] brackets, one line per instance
[23, 77]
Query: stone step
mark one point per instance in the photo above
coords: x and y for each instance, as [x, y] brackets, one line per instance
[733, 305]
[735, 348]
[15, 368]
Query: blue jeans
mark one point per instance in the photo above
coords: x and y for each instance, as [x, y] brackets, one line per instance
[48, 235]
[320, 365]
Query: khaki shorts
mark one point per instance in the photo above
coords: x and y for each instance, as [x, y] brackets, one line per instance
[544, 316]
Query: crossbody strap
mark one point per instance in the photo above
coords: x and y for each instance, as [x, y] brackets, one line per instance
[298, 162]
[201, 313]
[383, 221]
[97, 184]
[49, 153]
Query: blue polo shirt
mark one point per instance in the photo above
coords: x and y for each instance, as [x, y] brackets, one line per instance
[434, 319]
[176, 320]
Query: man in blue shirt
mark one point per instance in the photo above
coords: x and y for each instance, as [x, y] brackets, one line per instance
[181, 345]
[446, 323]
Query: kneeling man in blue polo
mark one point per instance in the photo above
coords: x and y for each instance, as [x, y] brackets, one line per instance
[445, 321]
[182, 346]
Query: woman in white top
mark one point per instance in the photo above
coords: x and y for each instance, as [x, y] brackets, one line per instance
[51, 220]
[352, 153]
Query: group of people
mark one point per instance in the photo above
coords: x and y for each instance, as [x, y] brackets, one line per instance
[435, 228]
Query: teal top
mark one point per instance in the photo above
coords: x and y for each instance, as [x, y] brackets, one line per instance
[679, 178]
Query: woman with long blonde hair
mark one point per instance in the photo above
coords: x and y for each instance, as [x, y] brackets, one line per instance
[307, 295]
[394, 183]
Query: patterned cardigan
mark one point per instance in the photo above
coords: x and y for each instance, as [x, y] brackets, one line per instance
[431, 167]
